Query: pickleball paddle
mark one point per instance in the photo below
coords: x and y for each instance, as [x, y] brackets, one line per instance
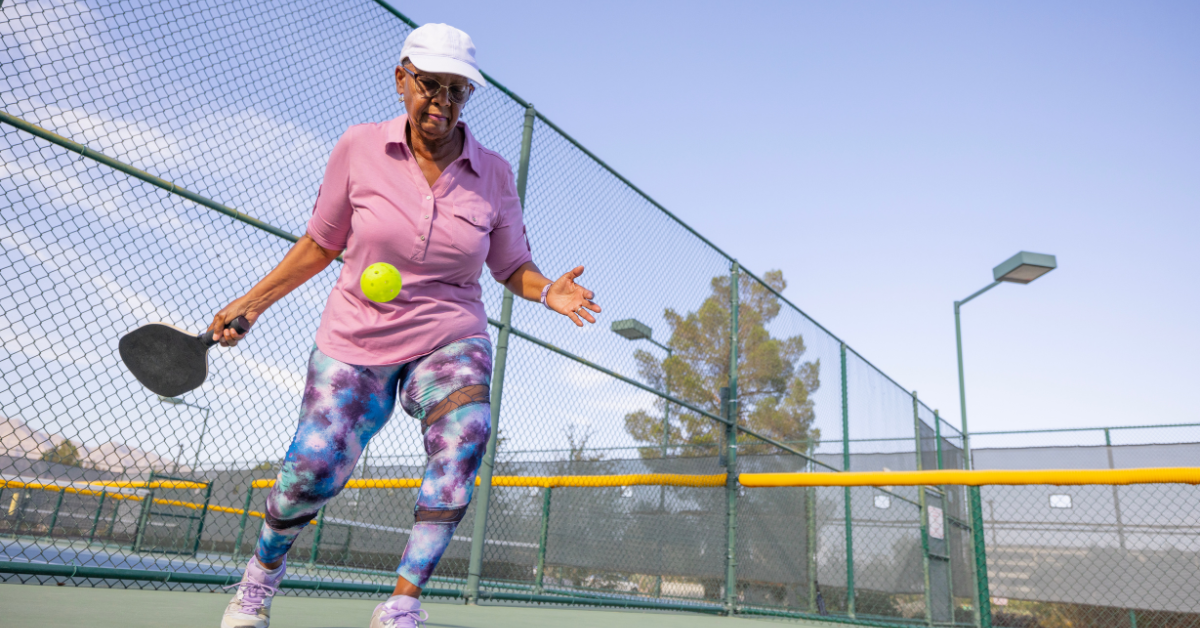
[168, 360]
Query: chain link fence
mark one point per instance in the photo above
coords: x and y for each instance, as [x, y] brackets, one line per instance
[159, 159]
[1093, 555]
[1105, 556]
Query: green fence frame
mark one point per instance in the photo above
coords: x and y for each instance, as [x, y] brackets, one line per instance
[474, 590]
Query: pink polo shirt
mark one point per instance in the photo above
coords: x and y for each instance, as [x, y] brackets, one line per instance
[376, 205]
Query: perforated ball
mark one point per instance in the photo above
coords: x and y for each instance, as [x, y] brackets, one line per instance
[381, 282]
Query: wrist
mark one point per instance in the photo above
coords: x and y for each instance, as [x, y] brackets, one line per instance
[259, 302]
[545, 291]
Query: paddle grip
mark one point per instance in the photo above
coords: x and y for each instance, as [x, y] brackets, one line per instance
[239, 324]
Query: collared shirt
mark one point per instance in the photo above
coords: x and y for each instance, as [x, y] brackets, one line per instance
[376, 205]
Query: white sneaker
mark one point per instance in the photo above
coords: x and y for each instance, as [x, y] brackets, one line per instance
[251, 606]
[397, 614]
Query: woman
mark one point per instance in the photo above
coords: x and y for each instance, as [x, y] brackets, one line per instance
[420, 193]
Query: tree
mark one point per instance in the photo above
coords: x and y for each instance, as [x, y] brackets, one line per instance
[577, 444]
[774, 386]
[65, 453]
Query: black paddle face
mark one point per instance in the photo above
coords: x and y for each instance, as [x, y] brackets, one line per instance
[168, 360]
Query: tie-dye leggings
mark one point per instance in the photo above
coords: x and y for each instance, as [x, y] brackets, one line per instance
[345, 405]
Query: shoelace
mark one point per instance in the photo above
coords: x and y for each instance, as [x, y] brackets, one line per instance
[253, 595]
[392, 615]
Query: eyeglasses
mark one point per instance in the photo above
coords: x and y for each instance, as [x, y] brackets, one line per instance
[430, 88]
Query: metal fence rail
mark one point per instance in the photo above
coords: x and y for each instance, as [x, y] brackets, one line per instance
[158, 159]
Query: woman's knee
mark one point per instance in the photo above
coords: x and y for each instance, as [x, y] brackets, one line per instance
[286, 514]
[456, 447]
[301, 489]
[461, 433]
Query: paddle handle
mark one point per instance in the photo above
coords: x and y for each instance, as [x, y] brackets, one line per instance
[239, 324]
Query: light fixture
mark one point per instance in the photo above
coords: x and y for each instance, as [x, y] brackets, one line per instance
[1021, 268]
[632, 329]
[1024, 267]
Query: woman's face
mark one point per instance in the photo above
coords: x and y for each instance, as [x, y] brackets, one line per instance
[433, 117]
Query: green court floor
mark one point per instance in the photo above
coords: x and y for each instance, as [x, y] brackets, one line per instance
[51, 607]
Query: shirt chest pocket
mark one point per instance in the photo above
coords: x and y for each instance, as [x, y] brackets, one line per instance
[469, 225]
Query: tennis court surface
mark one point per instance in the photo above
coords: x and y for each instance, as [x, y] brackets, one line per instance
[46, 606]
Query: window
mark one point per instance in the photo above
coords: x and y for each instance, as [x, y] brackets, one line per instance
[1060, 501]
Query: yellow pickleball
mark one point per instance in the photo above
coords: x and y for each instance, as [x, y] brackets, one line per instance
[381, 282]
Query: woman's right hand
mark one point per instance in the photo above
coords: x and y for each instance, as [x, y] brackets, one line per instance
[305, 259]
[243, 306]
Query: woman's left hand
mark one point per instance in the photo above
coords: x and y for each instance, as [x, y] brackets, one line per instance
[571, 299]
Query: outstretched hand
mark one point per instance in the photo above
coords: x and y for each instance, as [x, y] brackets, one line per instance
[571, 299]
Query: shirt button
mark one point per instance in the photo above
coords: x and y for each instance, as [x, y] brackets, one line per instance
[427, 197]
[422, 238]
[426, 216]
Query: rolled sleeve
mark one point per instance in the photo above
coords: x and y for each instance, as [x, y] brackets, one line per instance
[329, 226]
[509, 243]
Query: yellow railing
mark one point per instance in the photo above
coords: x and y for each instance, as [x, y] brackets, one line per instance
[1173, 475]
[87, 489]
[1057, 477]
[102, 484]
[552, 481]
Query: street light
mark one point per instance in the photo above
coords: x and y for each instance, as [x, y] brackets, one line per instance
[1021, 268]
[632, 329]
[176, 401]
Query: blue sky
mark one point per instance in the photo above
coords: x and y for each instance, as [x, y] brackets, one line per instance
[887, 156]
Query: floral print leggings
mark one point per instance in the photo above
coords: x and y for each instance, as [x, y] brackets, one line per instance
[345, 405]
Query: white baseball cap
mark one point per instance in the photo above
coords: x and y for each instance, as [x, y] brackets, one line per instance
[441, 48]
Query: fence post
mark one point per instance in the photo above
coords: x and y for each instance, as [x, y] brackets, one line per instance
[937, 435]
[316, 546]
[62, 492]
[980, 553]
[972, 562]
[484, 495]
[25, 496]
[1115, 494]
[203, 517]
[810, 514]
[662, 490]
[237, 545]
[112, 522]
[949, 496]
[96, 519]
[731, 479]
[539, 577]
[144, 515]
[846, 490]
[923, 514]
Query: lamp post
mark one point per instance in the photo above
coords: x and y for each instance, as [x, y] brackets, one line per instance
[632, 329]
[176, 401]
[1021, 268]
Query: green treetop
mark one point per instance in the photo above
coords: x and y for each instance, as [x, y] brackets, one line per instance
[774, 386]
[65, 453]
